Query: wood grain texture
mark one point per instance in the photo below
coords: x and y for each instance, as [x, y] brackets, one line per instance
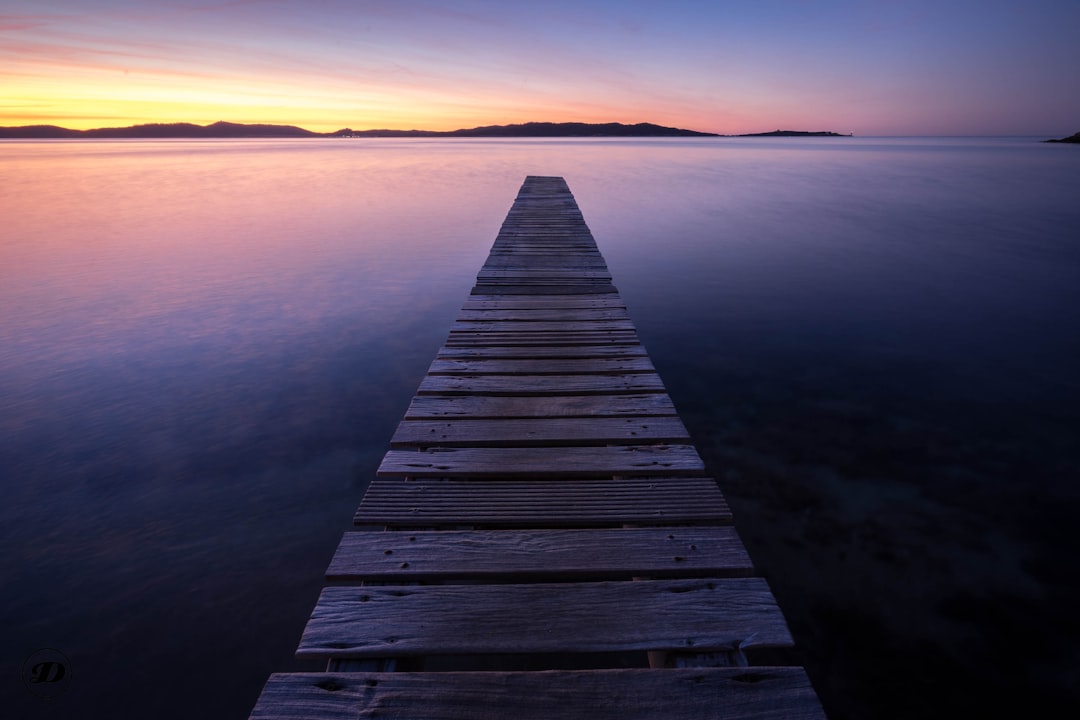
[481, 302]
[541, 366]
[549, 289]
[552, 462]
[592, 554]
[540, 431]
[572, 352]
[541, 339]
[749, 693]
[547, 503]
[546, 261]
[702, 615]
[535, 326]
[543, 314]
[521, 272]
[599, 384]
[508, 406]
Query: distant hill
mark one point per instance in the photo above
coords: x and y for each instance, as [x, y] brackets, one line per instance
[1071, 139]
[234, 130]
[792, 133]
[160, 130]
[545, 129]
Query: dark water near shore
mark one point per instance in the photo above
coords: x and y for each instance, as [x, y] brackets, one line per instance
[205, 347]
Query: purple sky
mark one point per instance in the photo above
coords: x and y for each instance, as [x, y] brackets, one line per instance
[919, 67]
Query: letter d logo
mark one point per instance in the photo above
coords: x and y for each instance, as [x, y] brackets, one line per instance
[47, 673]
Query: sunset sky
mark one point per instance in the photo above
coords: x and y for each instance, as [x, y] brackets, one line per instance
[891, 67]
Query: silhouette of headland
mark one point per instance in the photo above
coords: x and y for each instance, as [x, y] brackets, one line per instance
[237, 130]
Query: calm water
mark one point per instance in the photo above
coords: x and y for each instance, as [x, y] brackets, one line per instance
[205, 347]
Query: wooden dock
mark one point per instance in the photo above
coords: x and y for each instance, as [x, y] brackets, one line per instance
[542, 539]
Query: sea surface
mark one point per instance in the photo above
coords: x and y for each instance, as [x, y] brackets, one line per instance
[205, 347]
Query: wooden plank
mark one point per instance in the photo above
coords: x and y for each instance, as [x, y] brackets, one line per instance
[748, 693]
[539, 431]
[545, 351]
[522, 234]
[542, 314]
[524, 277]
[545, 260]
[523, 339]
[529, 326]
[549, 503]
[565, 242]
[560, 289]
[702, 615]
[434, 407]
[487, 302]
[533, 366]
[540, 384]
[556, 240]
[501, 555]
[519, 273]
[552, 462]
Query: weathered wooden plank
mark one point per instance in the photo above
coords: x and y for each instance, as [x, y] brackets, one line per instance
[538, 431]
[525, 235]
[704, 615]
[637, 460]
[560, 289]
[394, 502]
[567, 241]
[493, 339]
[571, 233]
[533, 366]
[565, 230]
[528, 326]
[748, 693]
[593, 554]
[553, 462]
[527, 277]
[539, 384]
[555, 214]
[545, 260]
[529, 273]
[543, 315]
[523, 272]
[551, 302]
[434, 407]
[486, 302]
[573, 352]
[523, 340]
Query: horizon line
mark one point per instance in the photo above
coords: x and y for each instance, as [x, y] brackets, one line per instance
[324, 134]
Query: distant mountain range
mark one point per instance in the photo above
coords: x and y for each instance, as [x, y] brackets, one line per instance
[1071, 139]
[235, 130]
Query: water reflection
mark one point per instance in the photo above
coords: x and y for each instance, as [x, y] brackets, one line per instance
[205, 347]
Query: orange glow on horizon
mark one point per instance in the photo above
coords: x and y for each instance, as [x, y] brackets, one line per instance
[92, 113]
[364, 65]
[83, 99]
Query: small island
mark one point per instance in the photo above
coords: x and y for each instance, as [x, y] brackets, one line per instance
[794, 133]
[1071, 139]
